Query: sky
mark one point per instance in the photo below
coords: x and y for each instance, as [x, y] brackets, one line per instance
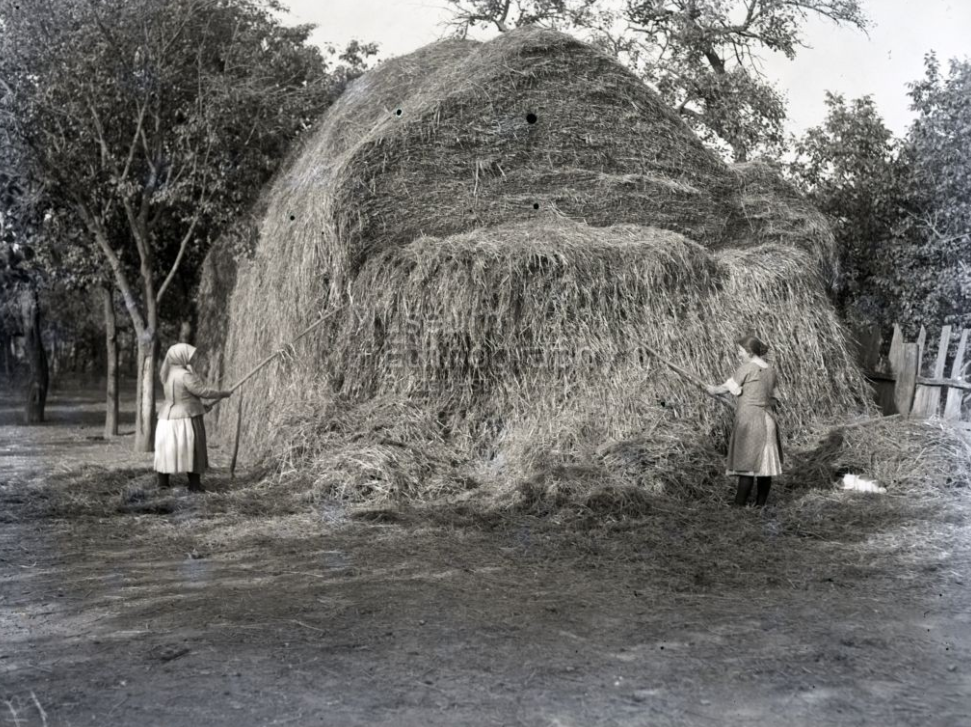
[878, 63]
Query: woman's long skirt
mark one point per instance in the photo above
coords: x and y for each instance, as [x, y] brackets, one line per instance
[180, 446]
[755, 449]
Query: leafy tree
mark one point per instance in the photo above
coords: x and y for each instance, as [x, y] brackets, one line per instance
[154, 122]
[930, 272]
[901, 208]
[850, 168]
[81, 297]
[701, 55]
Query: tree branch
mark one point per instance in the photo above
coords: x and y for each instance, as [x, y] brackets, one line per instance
[178, 258]
[102, 142]
[203, 199]
[97, 230]
[134, 142]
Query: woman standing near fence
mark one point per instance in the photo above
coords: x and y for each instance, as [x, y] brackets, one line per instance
[755, 450]
[180, 438]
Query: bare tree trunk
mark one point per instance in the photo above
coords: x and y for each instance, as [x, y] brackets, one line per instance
[54, 367]
[111, 368]
[145, 406]
[5, 354]
[37, 378]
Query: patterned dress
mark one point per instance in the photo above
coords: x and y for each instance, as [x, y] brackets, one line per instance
[755, 449]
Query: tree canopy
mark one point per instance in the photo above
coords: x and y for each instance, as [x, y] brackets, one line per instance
[932, 255]
[901, 207]
[154, 122]
[850, 167]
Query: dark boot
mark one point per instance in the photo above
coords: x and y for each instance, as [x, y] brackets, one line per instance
[744, 488]
[163, 480]
[195, 482]
[763, 483]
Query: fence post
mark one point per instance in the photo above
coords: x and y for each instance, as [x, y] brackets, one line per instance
[896, 349]
[921, 342]
[903, 394]
[952, 408]
[928, 398]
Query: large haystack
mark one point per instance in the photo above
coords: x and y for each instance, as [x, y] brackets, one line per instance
[498, 227]
[463, 155]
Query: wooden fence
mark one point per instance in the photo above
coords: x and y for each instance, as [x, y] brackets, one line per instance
[911, 379]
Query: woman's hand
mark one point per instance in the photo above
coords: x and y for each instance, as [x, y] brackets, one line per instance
[713, 390]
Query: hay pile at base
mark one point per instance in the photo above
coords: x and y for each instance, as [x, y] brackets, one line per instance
[496, 227]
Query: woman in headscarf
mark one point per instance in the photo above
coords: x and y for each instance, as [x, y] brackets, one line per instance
[755, 449]
[180, 437]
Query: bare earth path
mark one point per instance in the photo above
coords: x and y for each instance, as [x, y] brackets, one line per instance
[202, 617]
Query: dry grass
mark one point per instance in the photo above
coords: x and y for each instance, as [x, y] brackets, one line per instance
[498, 276]
[216, 284]
[909, 457]
[918, 462]
[678, 509]
[519, 343]
[462, 156]
[772, 211]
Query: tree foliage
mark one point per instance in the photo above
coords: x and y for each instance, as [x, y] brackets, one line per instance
[850, 167]
[154, 122]
[901, 207]
[931, 270]
[146, 115]
[701, 55]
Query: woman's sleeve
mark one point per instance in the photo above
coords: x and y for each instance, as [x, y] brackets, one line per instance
[737, 381]
[198, 387]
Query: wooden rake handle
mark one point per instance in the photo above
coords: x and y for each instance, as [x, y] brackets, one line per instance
[687, 376]
[266, 361]
[262, 364]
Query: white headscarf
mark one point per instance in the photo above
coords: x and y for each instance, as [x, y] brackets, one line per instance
[177, 356]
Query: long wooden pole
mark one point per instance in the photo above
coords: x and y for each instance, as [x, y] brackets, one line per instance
[239, 427]
[260, 366]
[684, 374]
[698, 382]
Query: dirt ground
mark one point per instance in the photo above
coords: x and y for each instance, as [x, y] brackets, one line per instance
[200, 614]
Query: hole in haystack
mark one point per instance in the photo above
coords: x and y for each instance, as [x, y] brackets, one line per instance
[535, 205]
[379, 331]
[398, 112]
[531, 118]
[293, 218]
